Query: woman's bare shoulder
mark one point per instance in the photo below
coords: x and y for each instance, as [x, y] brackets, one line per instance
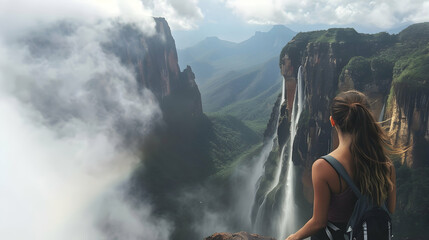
[322, 168]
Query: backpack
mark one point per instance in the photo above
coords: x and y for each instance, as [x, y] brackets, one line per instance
[368, 221]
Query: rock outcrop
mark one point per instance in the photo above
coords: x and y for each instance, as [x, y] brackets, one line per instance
[154, 60]
[237, 236]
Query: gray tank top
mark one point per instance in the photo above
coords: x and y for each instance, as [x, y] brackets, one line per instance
[341, 205]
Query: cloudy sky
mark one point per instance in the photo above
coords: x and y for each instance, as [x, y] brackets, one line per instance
[237, 20]
[234, 20]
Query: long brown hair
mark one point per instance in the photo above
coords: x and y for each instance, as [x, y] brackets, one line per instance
[370, 146]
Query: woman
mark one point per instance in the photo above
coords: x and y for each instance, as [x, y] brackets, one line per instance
[363, 151]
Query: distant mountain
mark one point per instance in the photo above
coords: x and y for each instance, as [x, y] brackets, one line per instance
[231, 76]
[264, 45]
[247, 94]
[204, 55]
[213, 55]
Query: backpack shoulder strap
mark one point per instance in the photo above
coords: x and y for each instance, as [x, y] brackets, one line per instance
[342, 171]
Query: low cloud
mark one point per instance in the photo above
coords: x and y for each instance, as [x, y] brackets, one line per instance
[382, 14]
[180, 14]
[72, 118]
[20, 16]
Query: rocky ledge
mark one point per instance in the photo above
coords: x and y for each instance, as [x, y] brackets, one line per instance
[237, 236]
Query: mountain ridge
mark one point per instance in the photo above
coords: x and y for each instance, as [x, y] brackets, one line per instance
[231, 57]
[234, 73]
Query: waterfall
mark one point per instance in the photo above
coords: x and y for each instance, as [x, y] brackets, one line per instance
[287, 224]
[258, 170]
[263, 158]
[276, 181]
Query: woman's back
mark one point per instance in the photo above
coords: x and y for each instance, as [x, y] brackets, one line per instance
[342, 199]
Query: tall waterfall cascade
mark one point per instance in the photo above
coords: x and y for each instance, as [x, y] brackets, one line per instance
[287, 223]
[287, 211]
[264, 157]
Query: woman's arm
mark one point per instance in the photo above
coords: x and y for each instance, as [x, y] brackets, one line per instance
[322, 196]
[391, 198]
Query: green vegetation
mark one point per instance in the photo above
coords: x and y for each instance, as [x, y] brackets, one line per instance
[339, 35]
[226, 90]
[229, 140]
[382, 68]
[294, 48]
[358, 68]
[403, 59]
[255, 112]
[412, 202]
[413, 71]
[248, 94]
[376, 70]
[227, 169]
[416, 32]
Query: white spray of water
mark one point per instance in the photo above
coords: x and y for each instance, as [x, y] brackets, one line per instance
[261, 210]
[263, 158]
[283, 95]
[258, 172]
[287, 223]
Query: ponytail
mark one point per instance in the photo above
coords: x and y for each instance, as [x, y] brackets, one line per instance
[369, 146]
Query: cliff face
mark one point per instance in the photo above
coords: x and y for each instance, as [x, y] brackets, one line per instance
[155, 63]
[408, 112]
[324, 56]
[341, 59]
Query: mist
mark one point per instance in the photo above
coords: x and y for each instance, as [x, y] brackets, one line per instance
[72, 120]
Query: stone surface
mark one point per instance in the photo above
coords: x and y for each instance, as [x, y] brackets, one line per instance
[155, 63]
[237, 236]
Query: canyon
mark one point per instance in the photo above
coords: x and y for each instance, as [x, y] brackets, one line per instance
[196, 168]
